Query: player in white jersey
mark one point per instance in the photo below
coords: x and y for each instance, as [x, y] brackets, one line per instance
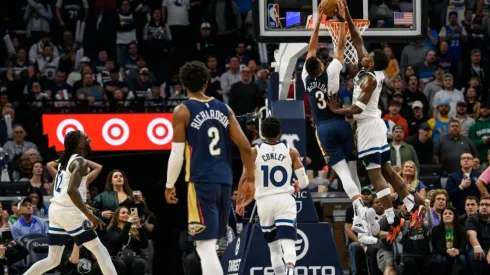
[68, 215]
[275, 162]
[373, 149]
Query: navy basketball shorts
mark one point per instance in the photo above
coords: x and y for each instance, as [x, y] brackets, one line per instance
[336, 139]
[208, 210]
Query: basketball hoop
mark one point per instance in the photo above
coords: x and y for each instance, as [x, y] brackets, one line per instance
[333, 26]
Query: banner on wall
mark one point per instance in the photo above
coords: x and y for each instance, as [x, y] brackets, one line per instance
[113, 132]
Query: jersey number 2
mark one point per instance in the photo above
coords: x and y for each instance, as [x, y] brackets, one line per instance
[320, 98]
[269, 176]
[57, 183]
[213, 133]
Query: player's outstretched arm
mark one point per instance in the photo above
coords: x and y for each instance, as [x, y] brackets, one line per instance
[313, 44]
[239, 138]
[357, 40]
[368, 86]
[335, 67]
[180, 119]
[339, 50]
[299, 169]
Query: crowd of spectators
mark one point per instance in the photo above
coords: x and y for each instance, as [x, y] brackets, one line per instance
[67, 56]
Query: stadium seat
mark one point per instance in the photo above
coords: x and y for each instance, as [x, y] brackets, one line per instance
[430, 170]
[432, 182]
[26, 238]
[38, 250]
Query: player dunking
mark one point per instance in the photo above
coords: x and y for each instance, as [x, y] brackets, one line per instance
[372, 146]
[202, 127]
[275, 162]
[68, 215]
[333, 131]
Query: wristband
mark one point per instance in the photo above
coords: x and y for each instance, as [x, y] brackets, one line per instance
[476, 247]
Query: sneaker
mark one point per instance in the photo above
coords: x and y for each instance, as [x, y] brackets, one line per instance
[417, 216]
[370, 218]
[357, 225]
[289, 270]
[395, 229]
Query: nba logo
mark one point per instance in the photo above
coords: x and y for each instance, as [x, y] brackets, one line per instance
[273, 18]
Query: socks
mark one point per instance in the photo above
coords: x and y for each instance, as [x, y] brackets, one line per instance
[276, 257]
[390, 215]
[359, 207]
[409, 202]
[289, 248]
[209, 259]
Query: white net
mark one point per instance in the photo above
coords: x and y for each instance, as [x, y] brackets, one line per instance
[333, 26]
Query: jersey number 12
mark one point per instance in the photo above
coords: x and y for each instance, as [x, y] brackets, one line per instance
[269, 176]
[57, 183]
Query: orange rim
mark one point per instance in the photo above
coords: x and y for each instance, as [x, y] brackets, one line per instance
[333, 25]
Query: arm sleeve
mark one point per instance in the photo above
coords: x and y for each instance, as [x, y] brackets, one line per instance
[333, 72]
[175, 162]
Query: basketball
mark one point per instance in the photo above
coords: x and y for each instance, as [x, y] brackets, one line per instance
[328, 7]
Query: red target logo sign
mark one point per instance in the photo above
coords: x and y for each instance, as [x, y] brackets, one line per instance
[113, 132]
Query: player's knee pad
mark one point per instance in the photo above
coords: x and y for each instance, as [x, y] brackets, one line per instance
[289, 249]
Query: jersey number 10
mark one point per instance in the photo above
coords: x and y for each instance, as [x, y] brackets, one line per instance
[57, 183]
[269, 176]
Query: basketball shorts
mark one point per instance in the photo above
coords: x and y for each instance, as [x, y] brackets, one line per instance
[66, 221]
[209, 207]
[373, 149]
[336, 139]
[277, 216]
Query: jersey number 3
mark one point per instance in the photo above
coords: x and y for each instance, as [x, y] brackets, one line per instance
[320, 100]
[269, 176]
[57, 183]
[213, 133]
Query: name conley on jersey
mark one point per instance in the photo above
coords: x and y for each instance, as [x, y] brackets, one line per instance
[211, 114]
[273, 156]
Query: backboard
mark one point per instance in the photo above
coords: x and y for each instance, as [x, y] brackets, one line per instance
[291, 21]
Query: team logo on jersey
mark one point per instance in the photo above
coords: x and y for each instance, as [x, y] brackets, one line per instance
[302, 245]
[290, 139]
[195, 228]
[86, 225]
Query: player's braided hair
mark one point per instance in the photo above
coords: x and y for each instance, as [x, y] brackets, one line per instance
[194, 75]
[271, 127]
[380, 60]
[71, 142]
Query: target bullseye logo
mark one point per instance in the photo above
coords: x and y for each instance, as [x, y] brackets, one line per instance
[66, 126]
[115, 132]
[160, 131]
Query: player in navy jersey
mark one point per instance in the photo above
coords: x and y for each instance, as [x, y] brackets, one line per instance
[334, 133]
[202, 129]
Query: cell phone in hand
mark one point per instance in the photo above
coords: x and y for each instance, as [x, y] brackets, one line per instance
[136, 193]
[134, 211]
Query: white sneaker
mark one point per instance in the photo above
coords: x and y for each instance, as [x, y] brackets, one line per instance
[370, 218]
[357, 225]
[289, 270]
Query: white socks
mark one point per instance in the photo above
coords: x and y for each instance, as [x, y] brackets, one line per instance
[353, 172]
[409, 202]
[276, 257]
[350, 187]
[289, 248]
[371, 220]
[288, 253]
[359, 207]
[209, 259]
[390, 215]
[102, 255]
[52, 261]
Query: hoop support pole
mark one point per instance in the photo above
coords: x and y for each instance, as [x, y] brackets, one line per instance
[285, 62]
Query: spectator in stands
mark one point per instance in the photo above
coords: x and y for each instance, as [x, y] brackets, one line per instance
[449, 243]
[438, 202]
[91, 91]
[413, 94]
[479, 133]
[472, 103]
[214, 85]
[355, 248]
[401, 151]
[37, 177]
[477, 165]
[38, 16]
[47, 64]
[244, 96]
[6, 122]
[11, 253]
[38, 207]
[4, 219]
[126, 239]
[394, 115]
[422, 144]
[409, 174]
[18, 145]
[230, 77]
[449, 93]
[449, 148]
[478, 230]
[418, 117]
[426, 68]
[21, 168]
[19, 64]
[434, 86]
[461, 184]
[385, 257]
[69, 12]
[393, 69]
[126, 31]
[464, 119]
[455, 36]
[117, 193]
[471, 205]
[477, 69]
[15, 209]
[76, 75]
[27, 223]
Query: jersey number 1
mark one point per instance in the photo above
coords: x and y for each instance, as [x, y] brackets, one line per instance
[57, 183]
[269, 175]
[213, 133]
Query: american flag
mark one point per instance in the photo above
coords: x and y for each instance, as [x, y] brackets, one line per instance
[403, 18]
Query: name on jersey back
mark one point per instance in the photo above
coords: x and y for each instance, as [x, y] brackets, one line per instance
[317, 85]
[200, 118]
[273, 156]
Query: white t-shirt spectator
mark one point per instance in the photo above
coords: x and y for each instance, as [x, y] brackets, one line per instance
[454, 96]
[177, 12]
